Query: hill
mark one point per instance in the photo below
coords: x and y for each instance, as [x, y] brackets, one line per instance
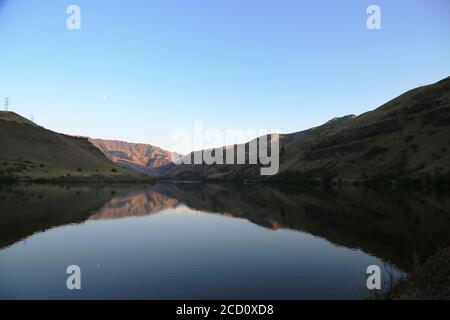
[137, 156]
[31, 152]
[408, 138]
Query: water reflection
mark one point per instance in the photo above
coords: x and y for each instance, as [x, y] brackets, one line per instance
[400, 229]
[403, 229]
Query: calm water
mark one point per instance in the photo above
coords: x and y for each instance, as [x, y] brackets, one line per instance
[210, 241]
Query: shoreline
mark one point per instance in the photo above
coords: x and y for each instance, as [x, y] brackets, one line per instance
[431, 281]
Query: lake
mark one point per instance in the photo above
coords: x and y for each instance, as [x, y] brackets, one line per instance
[211, 241]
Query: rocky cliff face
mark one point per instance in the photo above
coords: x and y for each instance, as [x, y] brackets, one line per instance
[137, 156]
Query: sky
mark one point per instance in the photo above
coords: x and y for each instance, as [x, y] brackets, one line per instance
[138, 70]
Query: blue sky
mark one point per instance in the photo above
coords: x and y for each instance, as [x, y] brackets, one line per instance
[138, 70]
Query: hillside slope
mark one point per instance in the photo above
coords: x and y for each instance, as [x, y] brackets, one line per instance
[136, 156]
[30, 152]
[406, 138]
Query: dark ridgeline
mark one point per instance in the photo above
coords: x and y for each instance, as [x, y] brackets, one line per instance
[407, 139]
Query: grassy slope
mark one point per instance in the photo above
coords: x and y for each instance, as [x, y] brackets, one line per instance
[31, 152]
[407, 137]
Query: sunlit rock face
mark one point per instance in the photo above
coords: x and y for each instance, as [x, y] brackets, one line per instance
[137, 156]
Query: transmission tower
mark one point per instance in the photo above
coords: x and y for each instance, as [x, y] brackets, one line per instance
[6, 104]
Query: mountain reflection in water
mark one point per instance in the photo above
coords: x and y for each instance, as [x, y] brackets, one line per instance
[400, 229]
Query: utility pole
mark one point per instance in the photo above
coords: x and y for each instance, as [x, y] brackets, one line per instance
[6, 104]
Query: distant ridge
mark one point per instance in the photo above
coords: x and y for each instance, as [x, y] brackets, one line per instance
[136, 156]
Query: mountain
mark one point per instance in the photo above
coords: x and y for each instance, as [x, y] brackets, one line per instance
[31, 152]
[137, 156]
[408, 138]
